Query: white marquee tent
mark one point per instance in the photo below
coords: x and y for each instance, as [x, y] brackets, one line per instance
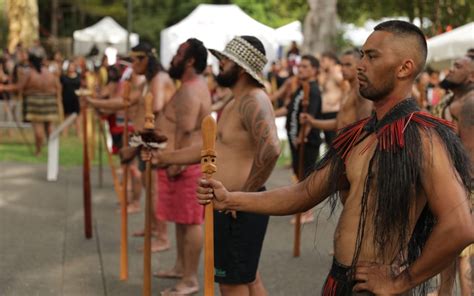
[288, 33]
[215, 25]
[106, 31]
[444, 48]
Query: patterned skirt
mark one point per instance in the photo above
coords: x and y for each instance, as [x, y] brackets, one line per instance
[41, 108]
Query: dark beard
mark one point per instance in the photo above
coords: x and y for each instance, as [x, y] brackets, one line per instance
[449, 85]
[176, 72]
[371, 93]
[228, 79]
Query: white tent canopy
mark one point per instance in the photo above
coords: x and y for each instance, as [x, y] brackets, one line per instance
[288, 33]
[104, 32]
[215, 26]
[444, 48]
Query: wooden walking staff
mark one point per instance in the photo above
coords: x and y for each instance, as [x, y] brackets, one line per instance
[148, 139]
[124, 201]
[86, 180]
[301, 146]
[208, 167]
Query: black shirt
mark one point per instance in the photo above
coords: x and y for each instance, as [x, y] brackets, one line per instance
[295, 108]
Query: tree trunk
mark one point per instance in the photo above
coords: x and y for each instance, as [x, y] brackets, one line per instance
[320, 26]
[54, 18]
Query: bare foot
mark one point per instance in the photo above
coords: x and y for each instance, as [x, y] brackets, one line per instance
[182, 288]
[158, 246]
[168, 274]
[133, 208]
[141, 233]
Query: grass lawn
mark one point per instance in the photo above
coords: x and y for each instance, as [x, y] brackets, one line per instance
[14, 149]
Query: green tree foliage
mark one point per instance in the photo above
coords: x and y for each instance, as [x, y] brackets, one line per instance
[151, 16]
[441, 13]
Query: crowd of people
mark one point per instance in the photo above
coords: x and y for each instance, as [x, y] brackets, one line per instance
[398, 138]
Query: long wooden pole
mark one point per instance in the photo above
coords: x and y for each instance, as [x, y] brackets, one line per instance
[208, 167]
[117, 187]
[86, 181]
[123, 204]
[149, 127]
[302, 135]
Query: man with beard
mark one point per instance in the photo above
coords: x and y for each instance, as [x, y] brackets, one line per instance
[247, 147]
[181, 121]
[401, 175]
[354, 107]
[158, 83]
[460, 83]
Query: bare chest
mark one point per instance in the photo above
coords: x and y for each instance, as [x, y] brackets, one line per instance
[230, 130]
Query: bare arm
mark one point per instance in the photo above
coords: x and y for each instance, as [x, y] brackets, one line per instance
[322, 124]
[447, 200]
[282, 91]
[186, 105]
[112, 104]
[453, 231]
[282, 201]
[257, 118]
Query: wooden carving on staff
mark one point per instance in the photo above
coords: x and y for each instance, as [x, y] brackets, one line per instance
[86, 179]
[208, 167]
[301, 168]
[148, 139]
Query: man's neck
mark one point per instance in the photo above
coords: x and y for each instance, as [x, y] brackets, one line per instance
[241, 88]
[383, 106]
[189, 76]
[462, 90]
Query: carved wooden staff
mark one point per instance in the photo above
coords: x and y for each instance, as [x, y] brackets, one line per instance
[148, 139]
[301, 137]
[86, 180]
[208, 167]
[123, 204]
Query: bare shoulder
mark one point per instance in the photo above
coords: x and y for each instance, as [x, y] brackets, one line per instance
[256, 111]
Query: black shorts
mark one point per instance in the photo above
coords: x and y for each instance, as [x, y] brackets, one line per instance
[339, 282]
[237, 246]
[329, 135]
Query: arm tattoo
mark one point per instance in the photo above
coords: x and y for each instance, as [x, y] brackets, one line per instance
[257, 118]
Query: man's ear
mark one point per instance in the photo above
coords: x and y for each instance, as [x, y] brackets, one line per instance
[190, 62]
[407, 69]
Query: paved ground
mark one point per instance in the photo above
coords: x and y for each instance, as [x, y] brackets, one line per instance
[43, 250]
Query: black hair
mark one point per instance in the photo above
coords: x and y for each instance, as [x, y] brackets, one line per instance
[198, 51]
[312, 60]
[330, 55]
[354, 52]
[113, 74]
[255, 42]
[35, 61]
[406, 29]
[154, 66]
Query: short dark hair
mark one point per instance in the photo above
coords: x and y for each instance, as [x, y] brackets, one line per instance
[406, 29]
[353, 52]
[198, 51]
[330, 55]
[154, 66]
[255, 42]
[312, 60]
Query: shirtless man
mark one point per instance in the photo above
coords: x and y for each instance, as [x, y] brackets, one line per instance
[41, 91]
[460, 81]
[354, 107]
[182, 118]
[394, 174]
[247, 147]
[156, 81]
[330, 80]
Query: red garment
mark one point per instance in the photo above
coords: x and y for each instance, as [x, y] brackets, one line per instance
[177, 199]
